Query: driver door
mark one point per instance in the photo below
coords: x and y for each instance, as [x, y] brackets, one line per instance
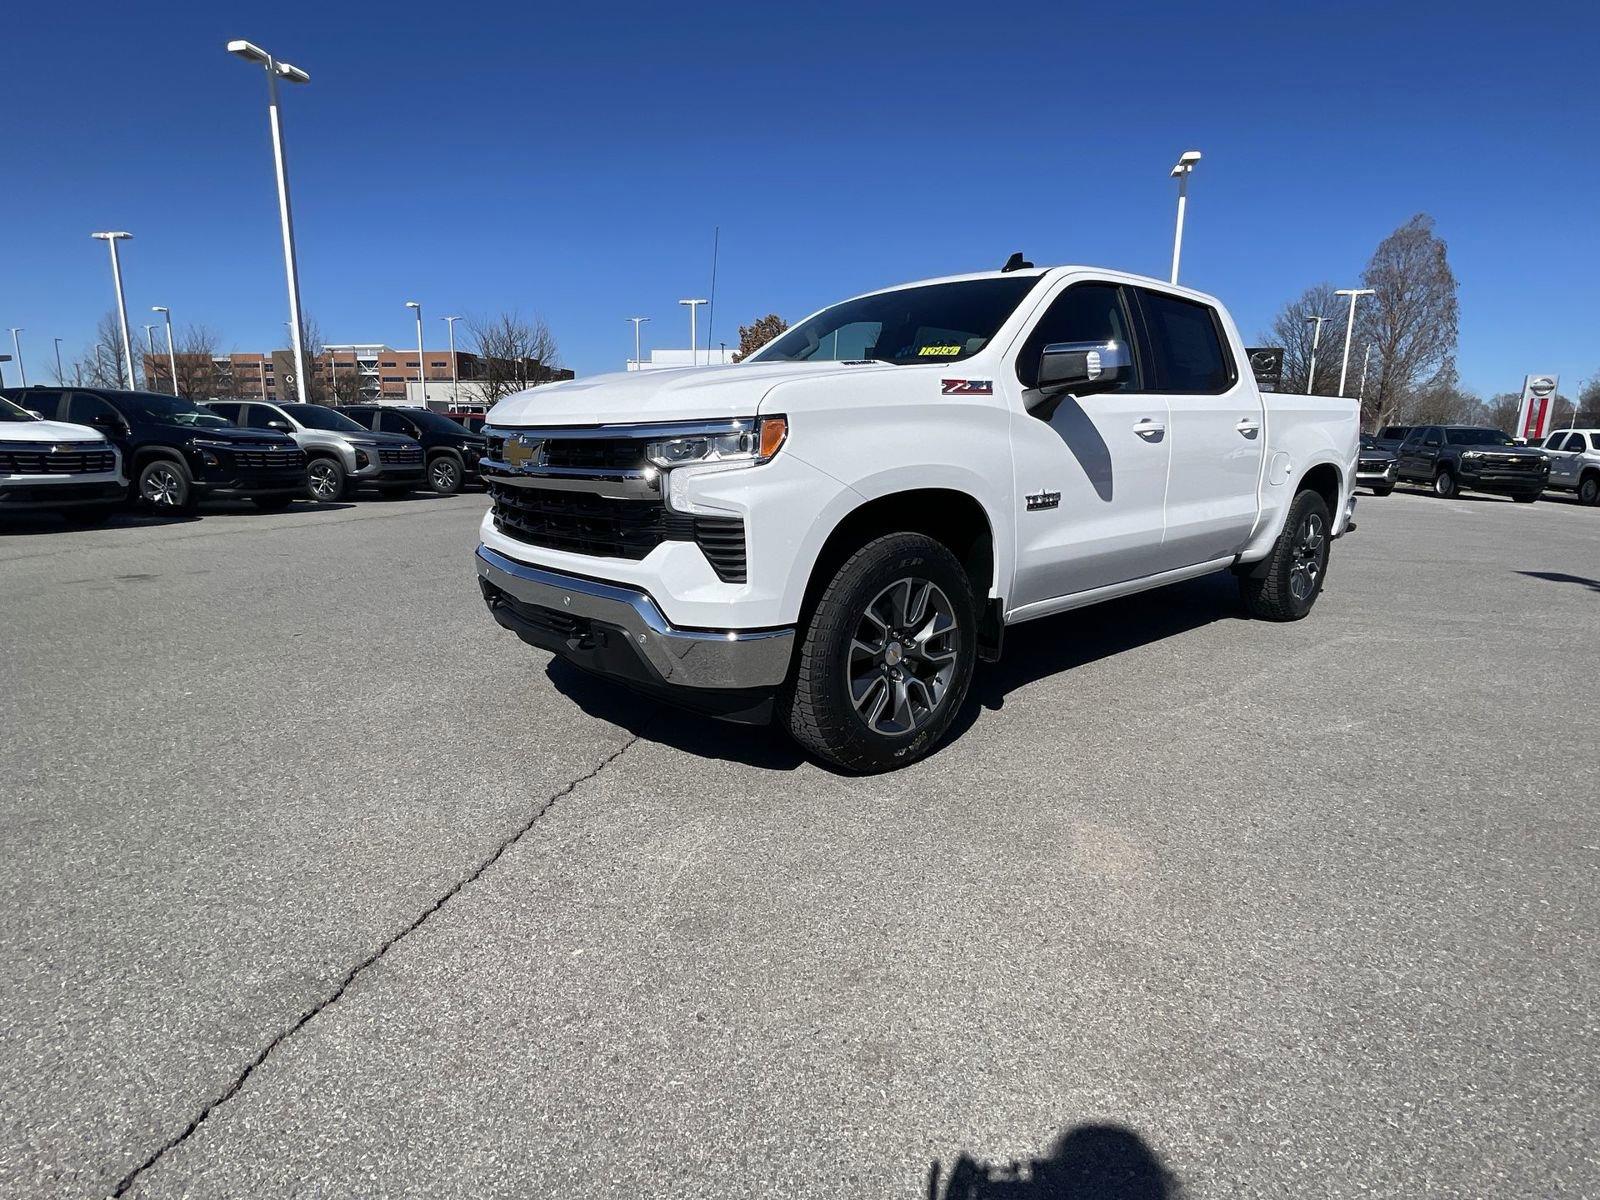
[1090, 474]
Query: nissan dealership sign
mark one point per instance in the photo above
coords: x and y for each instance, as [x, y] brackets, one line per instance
[1538, 406]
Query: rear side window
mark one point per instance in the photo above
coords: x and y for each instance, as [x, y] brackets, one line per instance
[1186, 345]
[1085, 312]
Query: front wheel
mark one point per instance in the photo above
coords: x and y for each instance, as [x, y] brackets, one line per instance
[886, 658]
[325, 480]
[165, 486]
[1288, 583]
[1444, 483]
[1589, 490]
[444, 475]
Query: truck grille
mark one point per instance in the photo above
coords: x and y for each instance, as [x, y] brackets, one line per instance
[583, 523]
[400, 456]
[41, 461]
[1512, 462]
[268, 460]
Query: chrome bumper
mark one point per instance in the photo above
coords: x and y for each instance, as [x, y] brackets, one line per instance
[690, 658]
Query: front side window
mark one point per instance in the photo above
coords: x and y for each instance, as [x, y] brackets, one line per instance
[1186, 344]
[392, 422]
[260, 416]
[1085, 312]
[934, 323]
[84, 409]
[1432, 437]
[315, 416]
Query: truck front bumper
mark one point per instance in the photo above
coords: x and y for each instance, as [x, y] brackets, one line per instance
[620, 632]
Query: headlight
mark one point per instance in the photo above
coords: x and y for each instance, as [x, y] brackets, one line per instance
[1471, 454]
[745, 442]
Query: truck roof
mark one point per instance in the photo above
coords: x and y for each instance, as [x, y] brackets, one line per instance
[1059, 269]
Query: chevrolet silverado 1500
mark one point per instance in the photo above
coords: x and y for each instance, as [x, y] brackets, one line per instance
[837, 528]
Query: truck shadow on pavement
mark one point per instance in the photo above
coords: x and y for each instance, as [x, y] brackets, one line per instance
[1033, 651]
[1088, 1162]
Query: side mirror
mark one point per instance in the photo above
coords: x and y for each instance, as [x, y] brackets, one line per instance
[280, 426]
[1084, 367]
[109, 422]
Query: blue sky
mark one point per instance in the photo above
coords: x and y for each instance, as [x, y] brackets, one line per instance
[572, 160]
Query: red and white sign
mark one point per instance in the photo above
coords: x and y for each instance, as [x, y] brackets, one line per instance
[1538, 406]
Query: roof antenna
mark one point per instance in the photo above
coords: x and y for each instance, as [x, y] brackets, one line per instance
[1016, 263]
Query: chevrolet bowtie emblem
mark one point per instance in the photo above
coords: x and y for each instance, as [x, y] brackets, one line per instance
[524, 452]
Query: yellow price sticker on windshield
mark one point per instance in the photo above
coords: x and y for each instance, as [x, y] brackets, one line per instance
[940, 351]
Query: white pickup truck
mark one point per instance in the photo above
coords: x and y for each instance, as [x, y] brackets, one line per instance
[836, 529]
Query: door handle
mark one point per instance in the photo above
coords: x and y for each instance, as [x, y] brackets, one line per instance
[1149, 429]
[1249, 427]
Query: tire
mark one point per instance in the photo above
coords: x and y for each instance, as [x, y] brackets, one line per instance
[1291, 579]
[1589, 490]
[326, 481]
[854, 699]
[444, 474]
[1444, 484]
[1525, 497]
[1385, 490]
[89, 514]
[165, 486]
[273, 503]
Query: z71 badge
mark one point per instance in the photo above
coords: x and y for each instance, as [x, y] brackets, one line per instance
[966, 387]
[1042, 500]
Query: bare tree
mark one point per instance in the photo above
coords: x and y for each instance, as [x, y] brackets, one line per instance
[100, 365]
[1294, 329]
[515, 353]
[1412, 319]
[1443, 401]
[1501, 411]
[1589, 394]
[758, 333]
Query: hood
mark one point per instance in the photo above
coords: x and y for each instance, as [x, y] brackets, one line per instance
[1504, 451]
[673, 394]
[232, 434]
[47, 431]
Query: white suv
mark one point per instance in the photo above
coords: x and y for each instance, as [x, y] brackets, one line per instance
[55, 466]
[1575, 462]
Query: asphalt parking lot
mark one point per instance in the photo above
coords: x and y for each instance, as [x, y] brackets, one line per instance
[316, 882]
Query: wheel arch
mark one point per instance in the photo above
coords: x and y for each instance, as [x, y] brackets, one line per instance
[954, 518]
[1326, 480]
[145, 455]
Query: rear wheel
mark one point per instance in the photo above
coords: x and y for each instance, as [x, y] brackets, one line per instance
[1444, 483]
[1288, 583]
[325, 480]
[885, 661]
[1589, 490]
[165, 486]
[444, 475]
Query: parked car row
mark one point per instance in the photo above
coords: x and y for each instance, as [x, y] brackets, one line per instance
[87, 451]
[1449, 459]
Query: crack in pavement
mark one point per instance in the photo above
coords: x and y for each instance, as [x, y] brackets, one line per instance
[376, 956]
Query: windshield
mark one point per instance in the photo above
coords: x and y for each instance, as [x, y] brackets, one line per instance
[935, 323]
[10, 412]
[172, 410]
[1477, 437]
[314, 416]
[429, 419]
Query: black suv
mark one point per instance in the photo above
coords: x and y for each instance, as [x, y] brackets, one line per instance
[453, 450]
[175, 451]
[1449, 458]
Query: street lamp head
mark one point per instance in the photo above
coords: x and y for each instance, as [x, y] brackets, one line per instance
[111, 236]
[159, 308]
[413, 304]
[1355, 291]
[1188, 158]
[290, 72]
[248, 50]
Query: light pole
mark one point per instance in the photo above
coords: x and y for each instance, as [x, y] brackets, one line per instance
[60, 377]
[1366, 357]
[637, 321]
[694, 336]
[455, 374]
[275, 70]
[149, 351]
[111, 239]
[1316, 339]
[16, 350]
[1349, 328]
[422, 378]
[172, 358]
[1186, 162]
